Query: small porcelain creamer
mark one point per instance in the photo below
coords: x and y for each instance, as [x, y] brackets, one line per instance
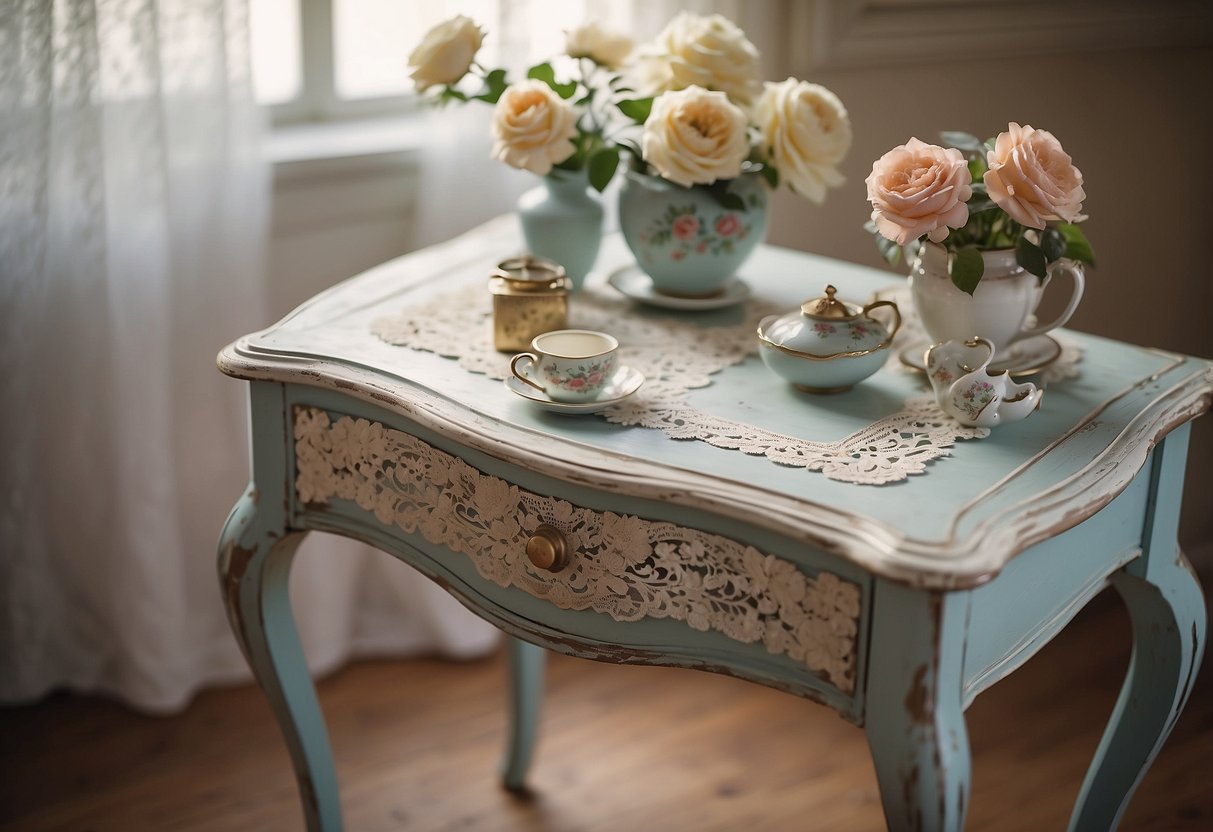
[968, 392]
[827, 345]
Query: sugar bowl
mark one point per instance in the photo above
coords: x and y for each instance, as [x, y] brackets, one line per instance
[827, 345]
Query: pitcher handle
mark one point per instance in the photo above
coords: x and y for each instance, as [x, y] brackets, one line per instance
[1075, 270]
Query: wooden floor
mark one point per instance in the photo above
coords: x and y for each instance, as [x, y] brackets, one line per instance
[622, 748]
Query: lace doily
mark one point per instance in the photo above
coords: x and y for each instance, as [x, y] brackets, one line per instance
[625, 566]
[677, 356]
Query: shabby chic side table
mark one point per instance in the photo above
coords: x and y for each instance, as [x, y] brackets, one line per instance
[623, 541]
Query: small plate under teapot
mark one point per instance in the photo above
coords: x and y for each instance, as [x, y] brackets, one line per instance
[827, 345]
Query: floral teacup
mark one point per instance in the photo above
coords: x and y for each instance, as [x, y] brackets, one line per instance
[568, 365]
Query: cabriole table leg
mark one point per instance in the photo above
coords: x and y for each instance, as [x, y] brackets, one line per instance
[254, 566]
[526, 664]
[1167, 610]
[255, 554]
[914, 718]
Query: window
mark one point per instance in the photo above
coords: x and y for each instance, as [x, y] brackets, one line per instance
[324, 60]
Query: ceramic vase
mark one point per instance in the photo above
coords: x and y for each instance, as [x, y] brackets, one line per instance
[684, 239]
[562, 221]
[1000, 309]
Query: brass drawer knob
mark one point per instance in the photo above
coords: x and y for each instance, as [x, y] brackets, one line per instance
[547, 549]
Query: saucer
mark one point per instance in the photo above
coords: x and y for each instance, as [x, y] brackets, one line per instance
[1025, 358]
[638, 286]
[623, 383]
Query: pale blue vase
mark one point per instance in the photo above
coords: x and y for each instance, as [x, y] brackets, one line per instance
[684, 239]
[562, 221]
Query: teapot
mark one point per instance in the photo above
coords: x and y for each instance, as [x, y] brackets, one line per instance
[968, 392]
[826, 346]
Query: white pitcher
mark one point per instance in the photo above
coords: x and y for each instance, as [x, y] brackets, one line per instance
[999, 308]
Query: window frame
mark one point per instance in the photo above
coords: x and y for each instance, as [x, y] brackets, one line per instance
[317, 99]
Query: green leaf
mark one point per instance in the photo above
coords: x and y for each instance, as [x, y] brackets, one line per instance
[770, 174]
[964, 142]
[1077, 247]
[450, 94]
[636, 109]
[966, 269]
[728, 201]
[977, 168]
[977, 204]
[494, 86]
[1052, 243]
[547, 75]
[602, 167]
[888, 249]
[991, 143]
[1029, 255]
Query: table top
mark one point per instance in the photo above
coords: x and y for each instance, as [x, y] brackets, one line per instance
[954, 525]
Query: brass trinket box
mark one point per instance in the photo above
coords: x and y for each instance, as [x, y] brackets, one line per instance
[530, 297]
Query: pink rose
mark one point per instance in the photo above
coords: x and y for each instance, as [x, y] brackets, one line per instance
[918, 188]
[677, 254]
[686, 227]
[575, 383]
[594, 379]
[728, 225]
[1032, 178]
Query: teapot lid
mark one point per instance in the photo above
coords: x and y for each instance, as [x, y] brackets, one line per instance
[828, 307]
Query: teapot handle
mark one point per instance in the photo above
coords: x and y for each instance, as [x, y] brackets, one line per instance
[1075, 271]
[896, 320]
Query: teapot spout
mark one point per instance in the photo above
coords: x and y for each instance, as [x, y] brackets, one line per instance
[1019, 401]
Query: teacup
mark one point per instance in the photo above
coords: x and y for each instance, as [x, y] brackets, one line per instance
[568, 365]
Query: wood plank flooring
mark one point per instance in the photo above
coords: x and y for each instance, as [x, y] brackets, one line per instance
[622, 748]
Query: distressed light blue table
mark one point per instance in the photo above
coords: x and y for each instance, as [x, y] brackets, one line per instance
[895, 605]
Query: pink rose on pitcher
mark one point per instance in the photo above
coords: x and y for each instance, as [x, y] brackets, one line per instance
[685, 227]
[728, 225]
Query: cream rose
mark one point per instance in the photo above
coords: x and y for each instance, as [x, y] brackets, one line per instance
[600, 45]
[806, 134]
[1032, 178]
[694, 137]
[918, 188]
[709, 52]
[446, 52]
[533, 127]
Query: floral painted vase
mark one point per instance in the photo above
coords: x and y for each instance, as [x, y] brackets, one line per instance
[562, 221]
[683, 238]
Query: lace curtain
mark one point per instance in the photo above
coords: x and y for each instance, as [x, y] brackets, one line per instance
[133, 208]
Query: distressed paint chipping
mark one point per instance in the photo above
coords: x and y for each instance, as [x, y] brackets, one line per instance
[919, 703]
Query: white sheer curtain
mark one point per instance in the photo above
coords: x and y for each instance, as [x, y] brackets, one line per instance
[133, 208]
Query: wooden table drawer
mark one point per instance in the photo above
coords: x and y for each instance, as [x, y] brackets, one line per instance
[628, 568]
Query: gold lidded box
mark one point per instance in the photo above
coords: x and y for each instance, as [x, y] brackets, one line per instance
[530, 297]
